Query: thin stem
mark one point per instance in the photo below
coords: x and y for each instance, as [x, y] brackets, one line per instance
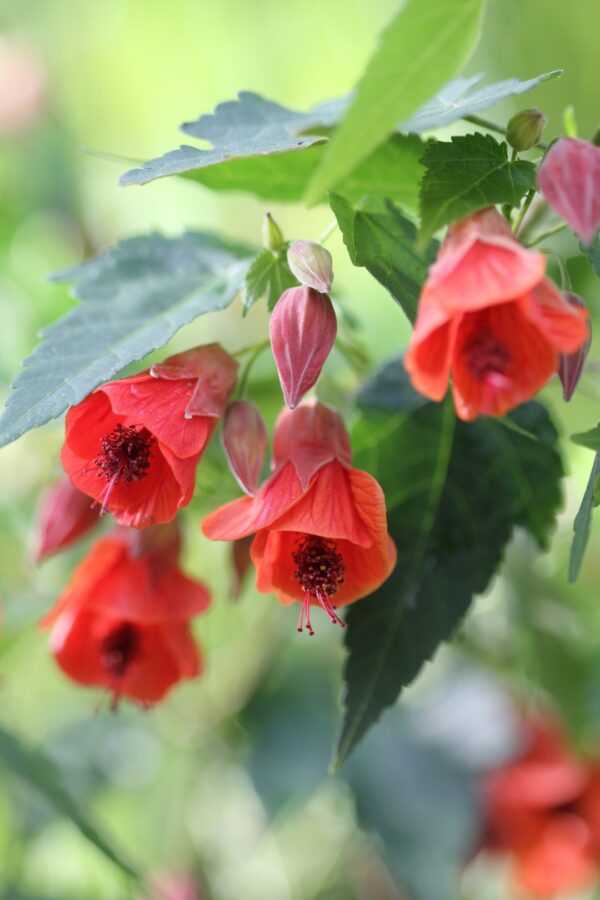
[251, 348]
[493, 126]
[565, 280]
[243, 383]
[547, 234]
[328, 231]
[524, 209]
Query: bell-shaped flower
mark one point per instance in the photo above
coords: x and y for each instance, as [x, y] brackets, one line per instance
[134, 444]
[122, 623]
[489, 320]
[320, 525]
[569, 179]
[302, 330]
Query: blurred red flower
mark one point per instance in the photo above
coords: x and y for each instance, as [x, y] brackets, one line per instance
[134, 444]
[490, 319]
[544, 809]
[123, 621]
[320, 526]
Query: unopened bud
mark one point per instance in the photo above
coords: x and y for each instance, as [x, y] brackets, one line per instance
[271, 233]
[570, 365]
[240, 557]
[569, 179]
[302, 331]
[65, 515]
[525, 129]
[245, 443]
[311, 264]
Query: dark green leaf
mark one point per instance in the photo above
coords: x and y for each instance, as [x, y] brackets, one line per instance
[423, 46]
[455, 491]
[589, 439]
[467, 174]
[385, 244]
[37, 771]
[137, 295]
[268, 276]
[583, 521]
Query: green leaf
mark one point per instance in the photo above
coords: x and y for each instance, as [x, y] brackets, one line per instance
[467, 174]
[459, 99]
[423, 46]
[268, 276]
[385, 244]
[592, 253]
[583, 520]
[37, 771]
[137, 295]
[454, 491]
[250, 136]
[589, 439]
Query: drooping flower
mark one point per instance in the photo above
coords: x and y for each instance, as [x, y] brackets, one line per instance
[569, 179]
[302, 329]
[489, 319]
[537, 810]
[134, 444]
[65, 515]
[122, 623]
[320, 526]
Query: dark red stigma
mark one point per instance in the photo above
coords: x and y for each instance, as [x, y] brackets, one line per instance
[486, 356]
[320, 573]
[125, 455]
[119, 648]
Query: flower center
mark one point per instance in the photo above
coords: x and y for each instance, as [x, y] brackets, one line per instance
[119, 648]
[320, 573]
[486, 356]
[125, 455]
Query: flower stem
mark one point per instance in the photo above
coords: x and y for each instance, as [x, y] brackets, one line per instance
[493, 126]
[328, 231]
[524, 210]
[547, 234]
[243, 383]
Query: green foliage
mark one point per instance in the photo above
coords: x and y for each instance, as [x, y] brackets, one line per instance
[592, 253]
[583, 520]
[137, 295]
[37, 771]
[467, 174]
[268, 276]
[424, 45]
[454, 491]
[385, 243]
[589, 439]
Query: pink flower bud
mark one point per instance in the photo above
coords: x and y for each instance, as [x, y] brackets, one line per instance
[65, 515]
[311, 264]
[569, 179]
[245, 443]
[302, 330]
[570, 365]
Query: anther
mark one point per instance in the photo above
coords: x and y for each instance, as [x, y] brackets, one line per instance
[320, 573]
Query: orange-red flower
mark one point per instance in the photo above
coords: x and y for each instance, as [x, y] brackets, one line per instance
[320, 525]
[123, 621]
[543, 808]
[491, 320]
[134, 444]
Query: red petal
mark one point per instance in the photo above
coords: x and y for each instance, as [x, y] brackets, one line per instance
[310, 436]
[214, 373]
[564, 325]
[429, 355]
[65, 515]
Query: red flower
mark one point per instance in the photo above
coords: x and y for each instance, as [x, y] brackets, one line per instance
[123, 621]
[488, 317]
[320, 525]
[538, 809]
[134, 444]
[65, 515]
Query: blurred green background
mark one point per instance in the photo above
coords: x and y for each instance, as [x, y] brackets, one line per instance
[226, 784]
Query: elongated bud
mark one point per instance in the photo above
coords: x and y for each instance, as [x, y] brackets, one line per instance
[302, 330]
[311, 264]
[525, 129]
[569, 179]
[240, 557]
[271, 233]
[245, 443]
[570, 365]
[65, 515]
